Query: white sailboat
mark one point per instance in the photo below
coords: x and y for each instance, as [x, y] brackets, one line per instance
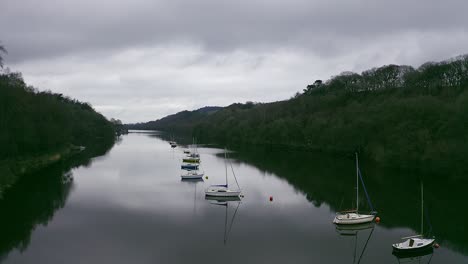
[353, 217]
[192, 155]
[415, 243]
[192, 174]
[223, 190]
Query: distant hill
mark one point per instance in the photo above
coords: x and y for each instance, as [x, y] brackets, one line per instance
[395, 115]
[179, 122]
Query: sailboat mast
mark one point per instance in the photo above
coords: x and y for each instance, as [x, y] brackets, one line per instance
[422, 208]
[357, 183]
[225, 165]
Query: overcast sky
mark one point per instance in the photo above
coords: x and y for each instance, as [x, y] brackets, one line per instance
[140, 60]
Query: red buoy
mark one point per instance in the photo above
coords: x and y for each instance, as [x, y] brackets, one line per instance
[271, 198]
[377, 219]
[436, 245]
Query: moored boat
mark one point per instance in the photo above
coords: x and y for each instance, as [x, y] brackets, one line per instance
[189, 166]
[415, 243]
[223, 190]
[194, 174]
[191, 160]
[353, 217]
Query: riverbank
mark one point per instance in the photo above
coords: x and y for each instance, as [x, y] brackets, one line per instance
[12, 169]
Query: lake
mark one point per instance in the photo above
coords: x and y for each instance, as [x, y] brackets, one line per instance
[130, 206]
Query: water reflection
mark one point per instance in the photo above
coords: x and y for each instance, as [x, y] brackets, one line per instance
[193, 182]
[31, 202]
[346, 231]
[325, 179]
[35, 199]
[131, 206]
[423, 257]
[224, 202]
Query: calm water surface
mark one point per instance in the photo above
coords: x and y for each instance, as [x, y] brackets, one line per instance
[130, 206]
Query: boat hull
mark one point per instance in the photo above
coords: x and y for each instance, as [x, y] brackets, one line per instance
[418, 245]
[189, 167]
[221, 191]
[223, 199]
[191, 160]
[193, 176]
[352, 219]
[226, 194]
[413, 254]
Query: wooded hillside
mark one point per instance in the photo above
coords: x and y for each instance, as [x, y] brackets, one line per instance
[395, 115]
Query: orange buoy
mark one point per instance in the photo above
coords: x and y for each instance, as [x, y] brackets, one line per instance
[271, 198]
[377, 219]
[436, 245]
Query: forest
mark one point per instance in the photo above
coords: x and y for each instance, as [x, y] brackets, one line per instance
[34, 123]
[395, 115]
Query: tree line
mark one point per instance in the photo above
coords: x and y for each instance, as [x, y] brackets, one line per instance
[395, 115]
[34, 122]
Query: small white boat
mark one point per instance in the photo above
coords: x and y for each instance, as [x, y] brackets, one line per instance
[420, 256]
[221, 191]
[353, 217]
[224, 190]
[194, 174]
[193, 155]
[415, 243]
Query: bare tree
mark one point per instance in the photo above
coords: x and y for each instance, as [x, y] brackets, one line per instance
[2, 50]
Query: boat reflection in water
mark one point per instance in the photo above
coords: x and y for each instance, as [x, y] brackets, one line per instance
[424, 256]
[224, 201]
[353, 231]
[193, 182]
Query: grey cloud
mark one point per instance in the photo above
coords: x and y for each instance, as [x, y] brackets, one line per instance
[140, 60]
[34, 29]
